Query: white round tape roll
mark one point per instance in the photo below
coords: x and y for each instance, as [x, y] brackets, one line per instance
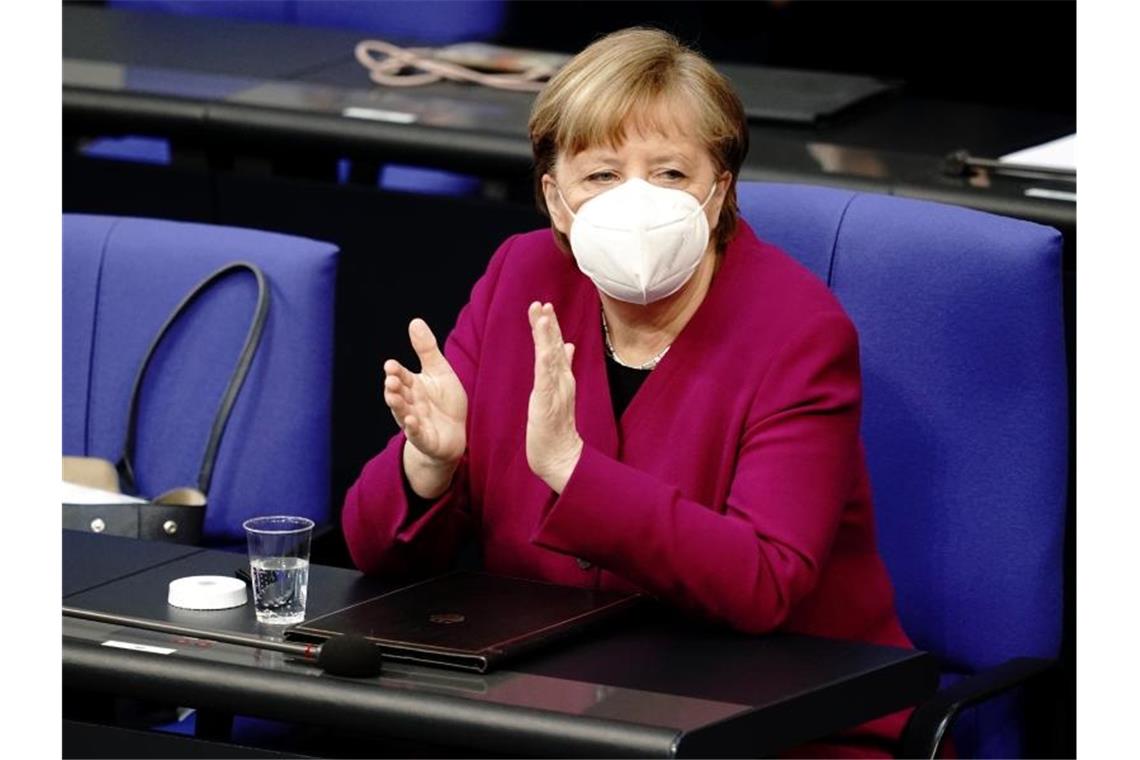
[206, 592]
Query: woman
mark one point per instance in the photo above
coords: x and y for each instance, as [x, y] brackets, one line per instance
[645, 396]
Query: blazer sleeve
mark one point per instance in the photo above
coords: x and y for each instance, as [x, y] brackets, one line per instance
[382, 533]
[749, 561]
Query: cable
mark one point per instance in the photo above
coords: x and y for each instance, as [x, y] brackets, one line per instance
[387, 70]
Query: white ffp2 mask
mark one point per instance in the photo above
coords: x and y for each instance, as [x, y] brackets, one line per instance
[639, 242]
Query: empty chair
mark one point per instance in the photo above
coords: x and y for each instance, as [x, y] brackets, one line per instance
[960, 319]
[122, 277]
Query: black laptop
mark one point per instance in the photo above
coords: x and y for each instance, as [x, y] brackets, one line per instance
[469, 620]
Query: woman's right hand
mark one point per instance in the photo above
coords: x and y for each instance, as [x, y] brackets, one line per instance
[431, 408]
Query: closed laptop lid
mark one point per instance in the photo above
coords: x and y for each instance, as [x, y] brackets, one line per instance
[468, 620]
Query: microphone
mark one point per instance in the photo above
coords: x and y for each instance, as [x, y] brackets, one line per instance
[348, 656]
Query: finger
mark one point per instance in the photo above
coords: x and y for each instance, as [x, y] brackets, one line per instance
[393, 385]
[426, 346]
[410, 393]
[546, 340]
[393, 368]
[556, 329]
[409, 386]
[554, 337]
[398, 405]
[534, 311]
[553, 349]
[542, 378]
[422, 434]
[569, 348]
[394, 388]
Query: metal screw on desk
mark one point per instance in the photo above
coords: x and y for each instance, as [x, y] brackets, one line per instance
[170, 527]
[97, 525]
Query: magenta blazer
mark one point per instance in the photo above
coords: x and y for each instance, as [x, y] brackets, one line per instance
[733, 486]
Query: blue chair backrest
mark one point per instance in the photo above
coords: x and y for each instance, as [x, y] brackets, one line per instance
[437, 22]
[960, 319]
[271, 11]
[122, 277]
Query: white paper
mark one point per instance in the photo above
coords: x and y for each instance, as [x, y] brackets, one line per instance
[73, 493]
[1054, 195]
[139, 647]
[379, 114]
[1056, 154]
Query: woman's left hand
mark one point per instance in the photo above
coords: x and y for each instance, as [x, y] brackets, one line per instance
[553, 445]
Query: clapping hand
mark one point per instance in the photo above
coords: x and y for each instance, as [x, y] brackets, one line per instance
[430, 406]
[553, 446]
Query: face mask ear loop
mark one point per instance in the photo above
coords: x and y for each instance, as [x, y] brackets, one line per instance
[701, 208]
[562, 198]
[711, 194]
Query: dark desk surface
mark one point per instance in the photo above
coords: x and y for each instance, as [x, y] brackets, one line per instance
[266, 87]
[91, 561]
[654, 685]
[202, 44]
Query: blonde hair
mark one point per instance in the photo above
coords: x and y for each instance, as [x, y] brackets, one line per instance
[629, 78]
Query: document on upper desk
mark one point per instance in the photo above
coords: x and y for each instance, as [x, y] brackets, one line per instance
[1055, 154]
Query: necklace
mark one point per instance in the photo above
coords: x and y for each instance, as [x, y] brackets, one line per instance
[653, 362]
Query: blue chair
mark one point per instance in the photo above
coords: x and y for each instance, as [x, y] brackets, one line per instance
[134, 148]
[270, 11]
[122, 277]
[960, 321]
[438, 22]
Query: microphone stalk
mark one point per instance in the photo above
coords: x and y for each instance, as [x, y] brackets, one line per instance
[350, 656]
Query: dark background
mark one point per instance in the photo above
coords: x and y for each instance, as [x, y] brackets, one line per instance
[1019, 53]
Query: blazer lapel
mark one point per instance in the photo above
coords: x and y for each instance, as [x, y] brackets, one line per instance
[593, 404]
[593, 407]
[689, 350]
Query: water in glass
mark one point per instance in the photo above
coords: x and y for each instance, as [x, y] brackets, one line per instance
[279, 588]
